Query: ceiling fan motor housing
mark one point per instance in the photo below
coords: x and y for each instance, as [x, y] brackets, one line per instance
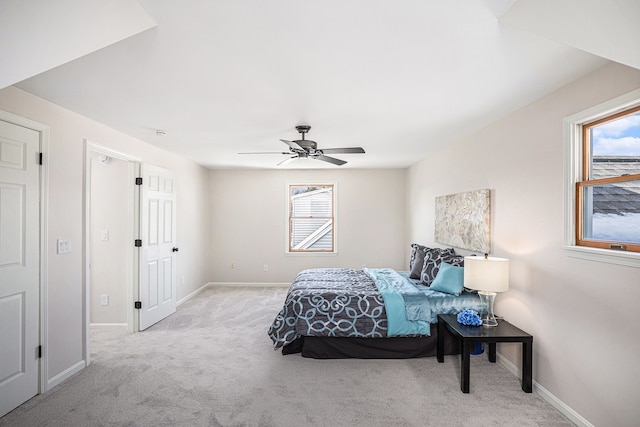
[303, 129]
[307, 144]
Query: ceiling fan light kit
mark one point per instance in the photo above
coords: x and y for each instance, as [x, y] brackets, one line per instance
[306, 148]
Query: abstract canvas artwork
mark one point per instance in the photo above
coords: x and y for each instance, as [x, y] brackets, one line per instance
[463, 220]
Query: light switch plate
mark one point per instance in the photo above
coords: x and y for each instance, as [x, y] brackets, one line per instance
[64, 246]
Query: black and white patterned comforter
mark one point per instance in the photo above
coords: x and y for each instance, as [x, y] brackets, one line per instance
[340, 302]
[334, 302]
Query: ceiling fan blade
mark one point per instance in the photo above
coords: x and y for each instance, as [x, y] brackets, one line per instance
[330, 159]
[285, 161]
[266, 152]
[345, 150]
[294, 145]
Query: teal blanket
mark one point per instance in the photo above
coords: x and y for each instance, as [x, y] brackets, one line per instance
[408, 309]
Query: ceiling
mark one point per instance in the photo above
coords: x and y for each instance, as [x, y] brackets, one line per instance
[399, 79]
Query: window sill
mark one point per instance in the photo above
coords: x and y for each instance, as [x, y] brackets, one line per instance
[311, 253]
[630, 259]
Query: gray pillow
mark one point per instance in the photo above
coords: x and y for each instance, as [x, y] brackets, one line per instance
[432, 263]
[415, 248]
[418, 257]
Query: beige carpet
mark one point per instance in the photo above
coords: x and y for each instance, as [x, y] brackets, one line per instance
[212, 364]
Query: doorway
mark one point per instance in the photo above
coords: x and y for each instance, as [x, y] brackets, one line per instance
[130, 237]
[110, 229]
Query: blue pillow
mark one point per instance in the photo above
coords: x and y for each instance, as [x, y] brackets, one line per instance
[450, 279]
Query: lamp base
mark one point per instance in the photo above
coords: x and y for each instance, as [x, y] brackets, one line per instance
[487, 298]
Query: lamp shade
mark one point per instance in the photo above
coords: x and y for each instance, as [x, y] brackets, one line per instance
[489, 274]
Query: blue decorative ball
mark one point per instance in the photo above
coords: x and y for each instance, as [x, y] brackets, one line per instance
[469, 317]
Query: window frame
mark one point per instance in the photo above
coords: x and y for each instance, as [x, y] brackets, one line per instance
[588, 181]
[288, 219]
[576, 162]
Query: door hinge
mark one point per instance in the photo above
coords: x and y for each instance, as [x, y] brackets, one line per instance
[138, 243]
[40, 158]
[137, 305]
[39, 351]
[138, 181]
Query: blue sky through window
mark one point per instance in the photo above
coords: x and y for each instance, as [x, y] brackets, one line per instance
[617, 138]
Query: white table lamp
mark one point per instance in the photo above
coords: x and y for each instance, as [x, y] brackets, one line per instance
[487, 275]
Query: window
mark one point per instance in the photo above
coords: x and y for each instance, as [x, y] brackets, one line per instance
[311, 218]
[602, 181]
[608, 197]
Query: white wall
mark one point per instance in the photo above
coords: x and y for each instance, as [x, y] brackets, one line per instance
[582, 314]
[109, 264]
[249, 212]
[64, 347]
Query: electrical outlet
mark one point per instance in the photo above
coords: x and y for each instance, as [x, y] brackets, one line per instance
[233, 266]
[266, 267]
[104, 299]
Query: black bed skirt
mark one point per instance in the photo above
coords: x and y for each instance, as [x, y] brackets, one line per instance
[372, 348]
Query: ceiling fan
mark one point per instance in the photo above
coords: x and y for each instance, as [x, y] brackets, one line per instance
[306, 148]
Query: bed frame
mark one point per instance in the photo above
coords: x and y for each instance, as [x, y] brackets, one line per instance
[372, 348]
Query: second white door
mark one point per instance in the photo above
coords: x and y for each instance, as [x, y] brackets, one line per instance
[158, 240]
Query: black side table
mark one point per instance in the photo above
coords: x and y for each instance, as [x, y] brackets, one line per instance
[469, 335]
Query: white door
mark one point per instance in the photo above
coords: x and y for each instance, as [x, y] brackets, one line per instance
[158, 251]
[19, 264]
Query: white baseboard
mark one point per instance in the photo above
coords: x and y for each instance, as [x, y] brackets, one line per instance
[565, 409]
[66, 374]
[575, 417]
[250, 284]
[506, 363]
[231, 284]
[110, 326]
[192, 294]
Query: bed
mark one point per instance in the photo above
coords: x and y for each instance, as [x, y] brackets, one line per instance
[366, 313]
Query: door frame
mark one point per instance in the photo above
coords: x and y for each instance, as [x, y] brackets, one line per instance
[133, 171]
[43, 130]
